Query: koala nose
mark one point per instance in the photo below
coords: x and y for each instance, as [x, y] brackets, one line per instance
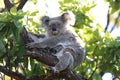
[54, 29]
[53, 26]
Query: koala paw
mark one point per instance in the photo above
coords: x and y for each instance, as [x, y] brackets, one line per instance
[30, 45]
[54, 70]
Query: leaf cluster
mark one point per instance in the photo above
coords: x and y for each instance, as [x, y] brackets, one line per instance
[12, 47]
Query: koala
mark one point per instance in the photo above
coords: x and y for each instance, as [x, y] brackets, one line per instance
[61, 36]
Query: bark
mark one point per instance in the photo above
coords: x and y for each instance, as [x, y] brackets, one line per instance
[8, 4]
[22, 3]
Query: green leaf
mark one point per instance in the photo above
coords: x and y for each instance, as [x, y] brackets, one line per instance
[5, 31]
[13, 10]
[118, 52]
[115, 6]
[34, 1]
[97, 76]
[2, 48]
[17, 23]
[6, 18]
[2, 25]
[15, 32]
[34, 13]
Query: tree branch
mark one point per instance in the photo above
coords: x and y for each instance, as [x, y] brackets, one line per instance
[96, 67]
[41, 56]
[8, 4]
[18, 76]
[22, 3]
[116, 21]
[108, 19]
[25, 37]
[12, 74]
[66, 74]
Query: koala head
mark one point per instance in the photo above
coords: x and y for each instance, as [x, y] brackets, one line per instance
[57, 25]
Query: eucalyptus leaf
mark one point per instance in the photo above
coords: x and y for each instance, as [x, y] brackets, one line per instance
[13, 10]
[2, 49]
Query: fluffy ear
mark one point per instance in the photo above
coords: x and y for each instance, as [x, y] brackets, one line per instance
[68, 17]
[45, 21]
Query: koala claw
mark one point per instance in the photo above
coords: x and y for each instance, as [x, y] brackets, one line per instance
[30, 45]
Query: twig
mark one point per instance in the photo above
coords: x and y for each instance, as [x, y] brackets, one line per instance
[15, 75]
[66, 74]
[116, 21]
[108, 19]
[22, 3]
[8, 4]
[19, 76]
[90, 78]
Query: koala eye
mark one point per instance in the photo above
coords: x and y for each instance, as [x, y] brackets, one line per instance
[47, 20]
[58, 24]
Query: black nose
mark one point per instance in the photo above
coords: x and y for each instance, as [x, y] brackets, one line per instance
[54, 29]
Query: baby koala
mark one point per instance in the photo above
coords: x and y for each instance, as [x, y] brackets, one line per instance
[59, 33]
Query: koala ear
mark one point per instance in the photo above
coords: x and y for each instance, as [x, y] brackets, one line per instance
[45, 21]
[68, 17]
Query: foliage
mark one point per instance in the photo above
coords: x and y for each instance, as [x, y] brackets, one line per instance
[115, 4]
[11, 44]
[102, 50]
[114, 11]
